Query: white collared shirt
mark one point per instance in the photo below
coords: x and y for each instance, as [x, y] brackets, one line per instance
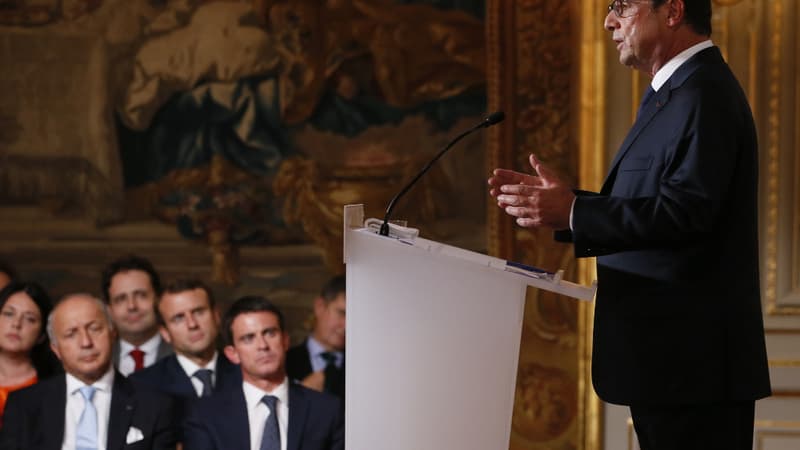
[75, 404]
[257, 411]
[190, 368]
[673, 64]
[315, 351]
[150, 349]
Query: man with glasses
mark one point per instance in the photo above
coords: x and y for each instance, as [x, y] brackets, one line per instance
[678, 333]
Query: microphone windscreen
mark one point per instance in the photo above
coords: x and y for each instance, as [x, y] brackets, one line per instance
[495, 117]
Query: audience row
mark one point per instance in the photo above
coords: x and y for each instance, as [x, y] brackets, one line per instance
[143, 368]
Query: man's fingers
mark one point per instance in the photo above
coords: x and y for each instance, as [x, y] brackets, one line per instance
[544, 172]
[505, 176]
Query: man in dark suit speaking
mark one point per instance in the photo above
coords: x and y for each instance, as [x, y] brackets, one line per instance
[678, 332]
[92, 406]
[267, 412]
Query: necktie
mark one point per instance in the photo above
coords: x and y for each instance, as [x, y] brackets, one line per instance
[332, 373]
[648, 94]
[271, 440]
[138, 359]
[330, 359]
[86, 434]
[204, 375]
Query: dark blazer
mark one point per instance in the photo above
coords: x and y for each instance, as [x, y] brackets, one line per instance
[678, 309]
[34, 417]
[167, 376]
[298, 366]
[220, 422]
[164, 349]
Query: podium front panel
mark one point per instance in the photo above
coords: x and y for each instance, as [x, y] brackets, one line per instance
[432, 349]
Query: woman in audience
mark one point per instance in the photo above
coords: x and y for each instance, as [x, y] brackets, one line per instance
[25, 355]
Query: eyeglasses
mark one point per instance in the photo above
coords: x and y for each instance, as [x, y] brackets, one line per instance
[620, 7]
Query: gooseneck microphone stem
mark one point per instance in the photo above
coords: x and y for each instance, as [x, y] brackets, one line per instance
[487, 122]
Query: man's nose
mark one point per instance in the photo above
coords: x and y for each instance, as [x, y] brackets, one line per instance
[85, 339]
[132, 304]
[191, 322]
[611, 23]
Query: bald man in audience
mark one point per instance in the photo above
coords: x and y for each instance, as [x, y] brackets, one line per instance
[91, 406]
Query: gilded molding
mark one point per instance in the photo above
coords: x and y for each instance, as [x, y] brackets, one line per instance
[761, 436]
[773, 163]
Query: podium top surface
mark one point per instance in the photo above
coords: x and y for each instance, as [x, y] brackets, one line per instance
[531, 276]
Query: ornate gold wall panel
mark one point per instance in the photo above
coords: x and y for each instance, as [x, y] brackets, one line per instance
[533, 47]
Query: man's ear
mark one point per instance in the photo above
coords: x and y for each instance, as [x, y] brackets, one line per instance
[675, 12]
[232, 354]
[319, 306]
[165, 334]
[54, 348]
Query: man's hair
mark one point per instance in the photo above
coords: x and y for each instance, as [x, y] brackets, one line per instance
[103, 306]
[182, 285]
[125, 264]
[333, 288]
[9, 270]
[244, 305]
[697, 13]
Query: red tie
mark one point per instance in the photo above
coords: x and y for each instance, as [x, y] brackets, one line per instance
[138, 359]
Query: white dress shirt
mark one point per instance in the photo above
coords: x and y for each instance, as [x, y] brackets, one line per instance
[190, 368]
[660, 78]
[75, 405]
[150, 349]
[315, 351]
[257, 411]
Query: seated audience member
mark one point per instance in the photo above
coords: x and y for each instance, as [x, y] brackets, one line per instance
[7, 274]
[92, 406]
[267, 412]
[25, 355]
[318, 363]
[189, 320]
[130, 287]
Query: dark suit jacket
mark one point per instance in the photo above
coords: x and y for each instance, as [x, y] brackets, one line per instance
[164, 349]
[34, 417]
[220, 422]
[167, 376]
[298, 366]
[678, 309]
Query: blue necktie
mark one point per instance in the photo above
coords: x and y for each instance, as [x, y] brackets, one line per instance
[648, 94]
[271, 440]
[86, 434]
[204, 375]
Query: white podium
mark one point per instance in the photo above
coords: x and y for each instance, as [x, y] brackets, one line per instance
[433, 336]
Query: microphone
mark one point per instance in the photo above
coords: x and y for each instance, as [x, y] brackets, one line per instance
[491, 119]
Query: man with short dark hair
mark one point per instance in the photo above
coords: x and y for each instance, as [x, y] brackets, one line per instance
[189, 321]
[92, 406]
[130, 286]
[318, 362]
[268, 412]
[678, 331]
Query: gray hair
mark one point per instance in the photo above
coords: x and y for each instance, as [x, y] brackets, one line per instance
[100, 303]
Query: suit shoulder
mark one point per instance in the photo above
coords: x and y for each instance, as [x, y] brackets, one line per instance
[154, 372]
[319, 399]
[38, 391]
[298, 350]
